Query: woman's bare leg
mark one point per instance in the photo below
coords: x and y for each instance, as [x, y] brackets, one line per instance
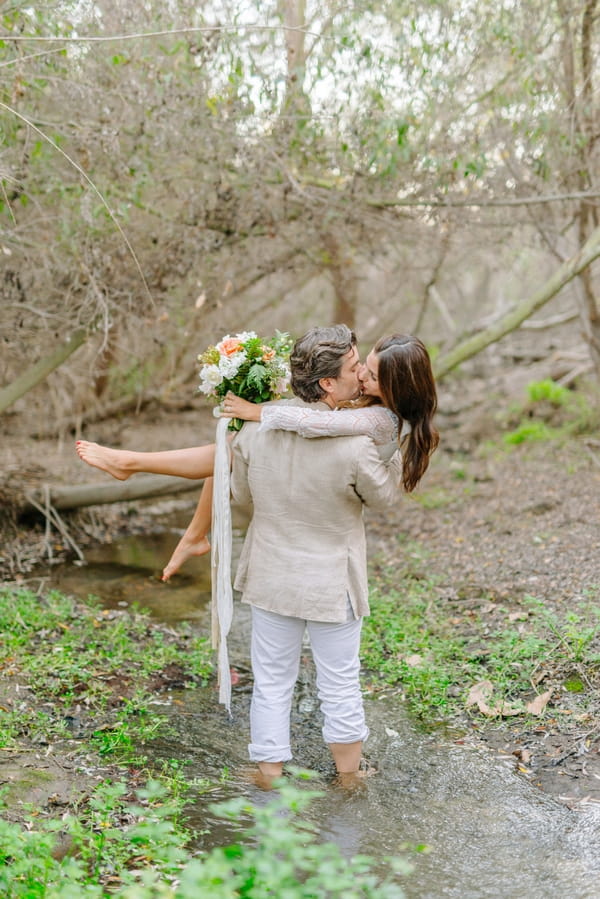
[193, 462]
[194, 542]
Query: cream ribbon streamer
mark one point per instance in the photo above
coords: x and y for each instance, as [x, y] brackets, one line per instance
[222, 593]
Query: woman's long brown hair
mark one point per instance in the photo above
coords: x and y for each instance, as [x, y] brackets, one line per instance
[407, 387]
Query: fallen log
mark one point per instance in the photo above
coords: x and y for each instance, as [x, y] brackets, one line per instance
[79, 495]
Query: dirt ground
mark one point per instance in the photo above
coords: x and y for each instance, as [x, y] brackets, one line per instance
[497, 526]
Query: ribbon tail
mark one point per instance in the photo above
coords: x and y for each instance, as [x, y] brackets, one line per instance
[221, 538]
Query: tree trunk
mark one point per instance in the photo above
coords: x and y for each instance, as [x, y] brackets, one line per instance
[296, 104]
[343, 276]
[144, 487]
[582, 106]
[588, 214]
[30, 378]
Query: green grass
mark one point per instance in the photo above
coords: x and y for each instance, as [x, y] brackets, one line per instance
[434, 652]
[408, 643]
[549, 391]
[82, 657]
[433, 498]
[530, 431]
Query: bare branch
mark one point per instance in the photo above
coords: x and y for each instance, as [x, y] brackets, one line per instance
[30, 378]
[511, 321]
[202, 29]
[89, 181]
[484, 203]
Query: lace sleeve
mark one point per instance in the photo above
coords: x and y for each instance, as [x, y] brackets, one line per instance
[376, 422]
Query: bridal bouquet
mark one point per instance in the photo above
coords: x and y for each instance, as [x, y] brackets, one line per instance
[255, 368]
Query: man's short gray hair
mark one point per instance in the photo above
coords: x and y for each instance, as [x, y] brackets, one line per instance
[319, 354]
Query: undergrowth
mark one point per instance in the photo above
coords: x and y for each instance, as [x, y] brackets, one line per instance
[60, 658]
[434, 650]
[552, 412]
[136, 849]
[97, 666]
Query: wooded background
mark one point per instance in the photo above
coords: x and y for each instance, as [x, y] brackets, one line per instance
[174, 171]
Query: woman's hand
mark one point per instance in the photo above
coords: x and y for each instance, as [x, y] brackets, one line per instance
[235, 407]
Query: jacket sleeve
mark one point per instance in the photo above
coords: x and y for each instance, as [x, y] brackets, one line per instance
[376, 422]
[378, 483]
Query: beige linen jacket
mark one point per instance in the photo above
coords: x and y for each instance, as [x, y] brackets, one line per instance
[305, 551]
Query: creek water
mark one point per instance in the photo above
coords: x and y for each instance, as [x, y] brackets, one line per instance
[489, 833]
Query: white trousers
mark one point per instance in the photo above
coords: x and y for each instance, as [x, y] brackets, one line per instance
[276, 649]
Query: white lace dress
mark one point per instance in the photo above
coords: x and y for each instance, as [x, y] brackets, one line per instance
[377, 422]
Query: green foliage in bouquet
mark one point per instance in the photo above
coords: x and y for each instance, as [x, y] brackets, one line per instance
[254, 368]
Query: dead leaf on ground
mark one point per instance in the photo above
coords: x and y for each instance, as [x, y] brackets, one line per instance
[518, 616]
[539, 677]
[537, 705]
[523, 754]
[414, 660]
[480, 693]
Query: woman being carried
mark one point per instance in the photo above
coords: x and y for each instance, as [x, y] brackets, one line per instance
[397, 403]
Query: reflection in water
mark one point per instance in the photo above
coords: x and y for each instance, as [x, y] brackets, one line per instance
[127, 573]
[489, 833]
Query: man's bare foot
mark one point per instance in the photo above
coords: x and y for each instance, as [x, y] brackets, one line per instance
[268, 774]
[355, 780]
[114, 462]
[248, 774]
[351, 781]
[265, 781]
[182, 552]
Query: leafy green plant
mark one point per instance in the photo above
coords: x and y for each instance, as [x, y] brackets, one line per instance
[529, 431]
[137, 850]
[569, 412]
[548, 391]
[290, 861]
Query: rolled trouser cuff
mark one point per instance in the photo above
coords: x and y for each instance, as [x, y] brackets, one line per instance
[345, 735]
[260, 753]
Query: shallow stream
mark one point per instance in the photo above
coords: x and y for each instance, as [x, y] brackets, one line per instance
[488, 832]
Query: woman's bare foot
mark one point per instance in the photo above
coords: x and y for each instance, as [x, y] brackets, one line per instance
[114, 462]
[182, 552]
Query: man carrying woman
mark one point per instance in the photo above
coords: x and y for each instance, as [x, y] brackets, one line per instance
[303, 565]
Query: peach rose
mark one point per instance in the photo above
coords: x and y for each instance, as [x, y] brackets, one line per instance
[268, 353]
[229, 346]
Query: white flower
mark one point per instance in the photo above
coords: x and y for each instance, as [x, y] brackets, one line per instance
[210, 377]
[281, 385]
[229, 365]
[246, 335]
